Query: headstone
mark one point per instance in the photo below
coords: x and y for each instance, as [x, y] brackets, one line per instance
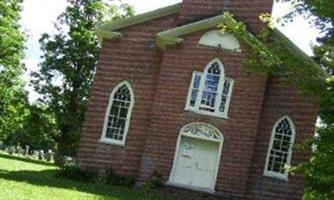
[40, 155]
[69, 161]
[11, 150]
[26, 151]
[35, 154]
[17, 149]
[48, 155]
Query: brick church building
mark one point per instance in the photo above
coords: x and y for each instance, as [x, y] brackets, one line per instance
[171, 96]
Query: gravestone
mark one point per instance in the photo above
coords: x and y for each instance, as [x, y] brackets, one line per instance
[40, 155]
[48, 155]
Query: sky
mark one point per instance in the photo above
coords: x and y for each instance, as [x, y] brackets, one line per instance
[39, 16]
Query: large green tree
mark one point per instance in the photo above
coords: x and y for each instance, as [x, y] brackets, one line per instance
[39, 130]
[68, 67]
[319, 170]
[316, 81]
[13, 98]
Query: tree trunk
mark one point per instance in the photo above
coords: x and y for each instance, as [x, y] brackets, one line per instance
[62, 145]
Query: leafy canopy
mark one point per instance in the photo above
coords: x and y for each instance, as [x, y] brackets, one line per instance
[69, 61]
[13, 101]
[314, 81]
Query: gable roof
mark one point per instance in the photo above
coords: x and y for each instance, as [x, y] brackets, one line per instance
[173, 36]
[109, 29]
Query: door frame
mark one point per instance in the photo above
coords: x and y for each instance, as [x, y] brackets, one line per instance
[201, 131]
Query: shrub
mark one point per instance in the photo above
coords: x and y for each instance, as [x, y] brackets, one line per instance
[76, 173]
[155, 182]
[115, 179]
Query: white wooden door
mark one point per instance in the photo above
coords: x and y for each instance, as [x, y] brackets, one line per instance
[196, 163]
[205, 164]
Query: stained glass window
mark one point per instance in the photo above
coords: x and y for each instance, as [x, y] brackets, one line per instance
[210, 92]
[280, 150]
[118, 118]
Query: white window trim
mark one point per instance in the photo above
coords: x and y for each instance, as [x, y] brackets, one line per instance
[103, 138]
[196, 109]
[277, 175]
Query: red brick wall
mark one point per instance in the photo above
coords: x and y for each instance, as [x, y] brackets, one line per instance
[280, 101]
[160, 98]
[133, 58]
[245, 10]
[168, 115]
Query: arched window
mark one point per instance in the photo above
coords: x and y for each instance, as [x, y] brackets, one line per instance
[118, 114]
[280, 148]
[210, 92]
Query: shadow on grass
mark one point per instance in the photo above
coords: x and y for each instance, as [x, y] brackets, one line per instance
[46, 178]
[39, 162]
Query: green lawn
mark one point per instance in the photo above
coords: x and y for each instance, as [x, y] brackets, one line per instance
[22, 179]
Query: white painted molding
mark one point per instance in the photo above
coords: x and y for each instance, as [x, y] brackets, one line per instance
[103, 138]
[277, 175]
[184, 133]
[217, 39]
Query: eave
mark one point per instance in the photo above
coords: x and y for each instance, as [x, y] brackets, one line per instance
[293, 49]
[173, 36]
[111, 35]
[109, 29]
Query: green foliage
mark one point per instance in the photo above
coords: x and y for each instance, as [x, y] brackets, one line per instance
[73, 172]
[13, 98]
[315, 81]
[319, 170]
[68, 67]
[155, 182]
[39, 130]
[27, 179]
[115, 179]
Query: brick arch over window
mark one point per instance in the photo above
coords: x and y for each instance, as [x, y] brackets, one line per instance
[210, 91]
[118, 114]
[280, 148]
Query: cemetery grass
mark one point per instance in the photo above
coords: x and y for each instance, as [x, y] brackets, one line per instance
[23, 179]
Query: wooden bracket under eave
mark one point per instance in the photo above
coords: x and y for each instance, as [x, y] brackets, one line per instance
[111, 35]
[165, 41]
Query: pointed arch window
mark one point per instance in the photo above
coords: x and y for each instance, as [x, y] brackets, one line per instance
[280, 149]
[210, 92]
[118, 114]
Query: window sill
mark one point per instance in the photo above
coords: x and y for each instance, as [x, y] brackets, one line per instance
[207, 114]
[111, 142]
[276, 176]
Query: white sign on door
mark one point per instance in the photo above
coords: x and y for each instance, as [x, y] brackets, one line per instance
[188, 149]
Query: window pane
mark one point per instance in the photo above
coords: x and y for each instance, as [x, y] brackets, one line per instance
[194, 94]
[208, 101]
[225, 95]
[197, 81]
[118, 113]
[210, 90]
[214, 69]
[195, 89]
[280, 147]
[211, 83]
